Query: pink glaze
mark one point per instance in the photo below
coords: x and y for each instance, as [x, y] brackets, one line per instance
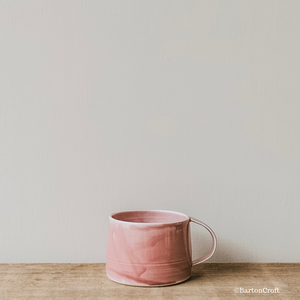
[150, 248]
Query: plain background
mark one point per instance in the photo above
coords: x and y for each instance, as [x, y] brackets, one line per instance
[190, 106]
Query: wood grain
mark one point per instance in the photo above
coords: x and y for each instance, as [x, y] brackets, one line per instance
[89, 281]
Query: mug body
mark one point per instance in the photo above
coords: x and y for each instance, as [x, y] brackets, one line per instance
[148, 248]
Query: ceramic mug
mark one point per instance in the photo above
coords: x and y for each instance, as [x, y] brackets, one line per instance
[151, 248]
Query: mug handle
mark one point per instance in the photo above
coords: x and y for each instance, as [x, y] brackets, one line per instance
[214, 245]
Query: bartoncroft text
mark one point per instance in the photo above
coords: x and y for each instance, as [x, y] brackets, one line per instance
[264, 290]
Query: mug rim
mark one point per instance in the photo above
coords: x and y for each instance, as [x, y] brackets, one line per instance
[187, 218]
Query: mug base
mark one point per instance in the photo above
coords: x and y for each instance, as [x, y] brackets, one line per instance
[148, 285]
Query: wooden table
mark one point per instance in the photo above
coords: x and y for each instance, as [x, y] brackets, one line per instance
[208, 281]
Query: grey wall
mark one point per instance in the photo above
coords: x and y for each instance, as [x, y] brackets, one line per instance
[190, 106]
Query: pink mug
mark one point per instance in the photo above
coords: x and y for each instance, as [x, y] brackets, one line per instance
[151, 248]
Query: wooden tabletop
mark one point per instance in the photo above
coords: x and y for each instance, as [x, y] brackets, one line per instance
[208, 281]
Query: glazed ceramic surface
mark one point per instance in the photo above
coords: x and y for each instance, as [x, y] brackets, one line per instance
[151, 248]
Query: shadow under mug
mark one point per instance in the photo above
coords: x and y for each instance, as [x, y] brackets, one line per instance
[151, 248]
